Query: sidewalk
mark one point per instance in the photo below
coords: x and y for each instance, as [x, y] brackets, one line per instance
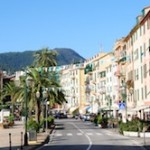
[17, 140]
[144, 142]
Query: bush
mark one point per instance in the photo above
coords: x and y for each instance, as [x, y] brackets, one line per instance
[103, 121]
[134, 125]
[50, 119]
[97, 119]
[11, 120]
[32, 125]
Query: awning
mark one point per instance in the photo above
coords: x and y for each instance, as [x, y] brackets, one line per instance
[88, 109]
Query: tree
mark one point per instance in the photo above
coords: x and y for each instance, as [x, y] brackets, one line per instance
[10, 89]
[44, 81]
[45, 58]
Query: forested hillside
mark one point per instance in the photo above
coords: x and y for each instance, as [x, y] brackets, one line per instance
[13, 61]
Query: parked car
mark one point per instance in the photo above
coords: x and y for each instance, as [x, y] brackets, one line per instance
[86, 117]
[60, 115]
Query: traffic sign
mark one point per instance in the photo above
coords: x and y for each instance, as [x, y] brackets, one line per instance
[122, 105]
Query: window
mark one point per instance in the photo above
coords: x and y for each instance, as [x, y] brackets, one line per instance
[142, 94]
[136, 55]
[136, 74]
[102, 74]
[144, 47]
[141, 75]
[145, 70]
[138, 94]
[145, 91]
[144, 29]
[140, 31]
[141, 54]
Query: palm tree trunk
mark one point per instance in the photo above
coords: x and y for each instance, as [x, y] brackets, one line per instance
[38, 112]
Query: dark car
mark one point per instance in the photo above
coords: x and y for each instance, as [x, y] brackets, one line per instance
[60, 115]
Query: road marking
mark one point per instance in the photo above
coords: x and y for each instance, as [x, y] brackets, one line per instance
[99, 133]
[89, 133]
[58, 134]
[69, 134]
[90, 142]
[79, 134]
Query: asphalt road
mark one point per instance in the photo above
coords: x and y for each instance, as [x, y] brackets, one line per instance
[71, 134]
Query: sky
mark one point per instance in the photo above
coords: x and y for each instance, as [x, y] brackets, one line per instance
[86, 26]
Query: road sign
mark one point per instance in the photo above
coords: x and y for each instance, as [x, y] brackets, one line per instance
[122, 105]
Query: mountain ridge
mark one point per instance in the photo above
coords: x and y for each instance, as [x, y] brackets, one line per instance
[14, 61]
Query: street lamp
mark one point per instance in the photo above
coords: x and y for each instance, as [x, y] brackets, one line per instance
[45, 96]
[47, 103]
[27, 84]
[131, 90]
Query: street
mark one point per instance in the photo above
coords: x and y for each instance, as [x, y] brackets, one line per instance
[71, 134]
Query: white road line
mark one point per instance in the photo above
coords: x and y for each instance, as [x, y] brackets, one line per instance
[99, 133]
[110, 134]
[58, 134]
[69, 134]
[90, 142]
[89, 133]
[79, 134]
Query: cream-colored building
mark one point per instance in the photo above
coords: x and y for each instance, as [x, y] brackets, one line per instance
[92, 89]
[100, 83]
[138, 65]
[120, 72]
[72, 81]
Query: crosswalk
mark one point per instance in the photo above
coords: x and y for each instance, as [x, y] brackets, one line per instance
[82, 134]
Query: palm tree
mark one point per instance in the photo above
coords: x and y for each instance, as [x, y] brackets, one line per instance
[10, 89]
[41, 82]
[45, 58]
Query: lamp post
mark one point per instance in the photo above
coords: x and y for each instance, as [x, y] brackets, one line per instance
[25, 134]
[45, 96]
[47, 103]
[131, 92]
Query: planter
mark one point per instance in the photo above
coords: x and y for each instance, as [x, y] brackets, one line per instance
[146, 134]
[130, 133]
[136, 134]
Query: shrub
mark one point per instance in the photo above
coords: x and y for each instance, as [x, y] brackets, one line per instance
[11, 120]
[50, 119]
[97, 119]
[134, 125]
[103, 121]
[32, 125]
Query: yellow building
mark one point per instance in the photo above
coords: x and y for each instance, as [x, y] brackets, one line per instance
[138, 65]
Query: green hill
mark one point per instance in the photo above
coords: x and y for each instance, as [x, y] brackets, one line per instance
[13, 61]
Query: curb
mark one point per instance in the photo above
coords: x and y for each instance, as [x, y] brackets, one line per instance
[44, 142]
